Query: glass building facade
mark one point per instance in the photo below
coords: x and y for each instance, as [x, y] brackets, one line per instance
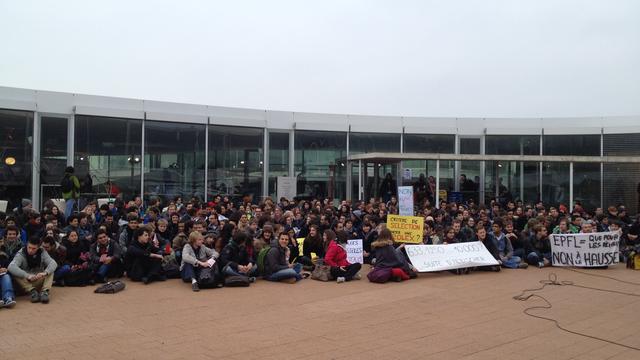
[129, 152]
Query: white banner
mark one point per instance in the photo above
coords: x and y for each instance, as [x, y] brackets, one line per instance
[286, 187]
[354, 251]
[405, 200]
[452, 256]
[585, 250]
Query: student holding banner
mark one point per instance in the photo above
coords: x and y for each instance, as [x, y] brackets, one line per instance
[336, 257]
[388, 264]
[490, 244]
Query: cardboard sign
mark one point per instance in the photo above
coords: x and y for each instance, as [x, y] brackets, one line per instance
[406, 229]
[354, 251]
[405, 200]
[427, 258]
[286, 187]
[585, 250]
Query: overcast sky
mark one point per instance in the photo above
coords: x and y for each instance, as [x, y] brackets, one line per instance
[484, 58]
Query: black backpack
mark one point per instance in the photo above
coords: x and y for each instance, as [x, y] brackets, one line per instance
[66, 184]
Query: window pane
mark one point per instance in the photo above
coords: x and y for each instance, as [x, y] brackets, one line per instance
[469, 146]
[425, 143]
[320, 158]
[512, 145]
[585, 145]
[106, 149]
[53, 156]
[174, 160]
[369, 142]
[235, 161]
[622, 186]
[360, 143]
[555, 184]
[16, 137]
[470, 180]
[586, 185]
[278, 159]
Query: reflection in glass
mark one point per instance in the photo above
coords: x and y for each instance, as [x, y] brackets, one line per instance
[278, 159]
[53, 156]
[429, 143]
[16, 140]
[555, 183]
[512, 145]
[235, 161]
[584, 145]
[174, 160]
[320, 160]
[367, 143]
[105, 151]
[586, 185]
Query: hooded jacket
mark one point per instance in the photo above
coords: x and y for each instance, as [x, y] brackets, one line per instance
[385, 254]
[275, 260]
[336, 255]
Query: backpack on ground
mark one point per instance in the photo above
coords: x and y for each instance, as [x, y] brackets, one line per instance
[237, 281]
[260, 260]
[111, 287]
[66, 185]
[209, 277]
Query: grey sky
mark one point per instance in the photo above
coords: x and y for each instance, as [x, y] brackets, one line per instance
[484, 58]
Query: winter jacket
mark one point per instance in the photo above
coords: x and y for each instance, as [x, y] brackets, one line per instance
[234, 255]
[19, 267]
[275, 260]
[192, 256]
[386, 256]
[113, 250]
[336, 255]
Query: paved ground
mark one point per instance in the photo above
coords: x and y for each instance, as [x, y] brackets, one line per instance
[438, 316]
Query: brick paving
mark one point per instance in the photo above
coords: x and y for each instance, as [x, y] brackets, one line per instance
[437, 316]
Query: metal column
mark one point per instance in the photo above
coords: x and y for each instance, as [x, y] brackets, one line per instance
[571, 186]
[265, 164]
[206, 160]
[35, 163]
[437, 194]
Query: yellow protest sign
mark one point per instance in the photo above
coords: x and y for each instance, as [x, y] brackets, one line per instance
[406, 229]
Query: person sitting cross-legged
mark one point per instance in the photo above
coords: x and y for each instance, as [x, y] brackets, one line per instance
[235, 260]
[33, 268]
[143, 261]
[277, 266]
[336, 257]
[195, 257]
[106, 258]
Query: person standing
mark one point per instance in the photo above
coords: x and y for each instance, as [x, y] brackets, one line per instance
[70, 186]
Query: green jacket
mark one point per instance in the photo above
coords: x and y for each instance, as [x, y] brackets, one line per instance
[75, 191]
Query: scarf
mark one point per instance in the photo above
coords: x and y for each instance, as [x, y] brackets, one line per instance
[33, 261]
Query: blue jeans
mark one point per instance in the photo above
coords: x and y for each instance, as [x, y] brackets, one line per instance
[7, 287]
[287, 274]
[512, 262]
[103, 270]
[228, 271]
[68, 207]
[189, 272]
[535, 258]
[61, 271]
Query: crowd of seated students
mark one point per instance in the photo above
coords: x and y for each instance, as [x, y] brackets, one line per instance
[205, 243]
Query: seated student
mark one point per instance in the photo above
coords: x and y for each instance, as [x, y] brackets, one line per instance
[516, 241]
[505, 248]
[235, 260]
[58, 253]
[490, 243]
[564, 227]
[539, 247]
[336, 257]
[6, 286]
[11, 243]
[313, 243]
[106, 258]
[276, 265]
[127, 234]
[32, 268]
[387, 263]
[143, 261]
[74, 270]
[195, 257]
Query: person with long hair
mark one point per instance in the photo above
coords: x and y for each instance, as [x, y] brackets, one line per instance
[336, 257]
[388, 264]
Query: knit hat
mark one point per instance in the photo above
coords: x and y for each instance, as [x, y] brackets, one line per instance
[26, 202]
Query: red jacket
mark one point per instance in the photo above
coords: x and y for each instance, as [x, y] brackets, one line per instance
[336, 255]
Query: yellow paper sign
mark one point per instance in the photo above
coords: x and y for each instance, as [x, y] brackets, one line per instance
[406, 229]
